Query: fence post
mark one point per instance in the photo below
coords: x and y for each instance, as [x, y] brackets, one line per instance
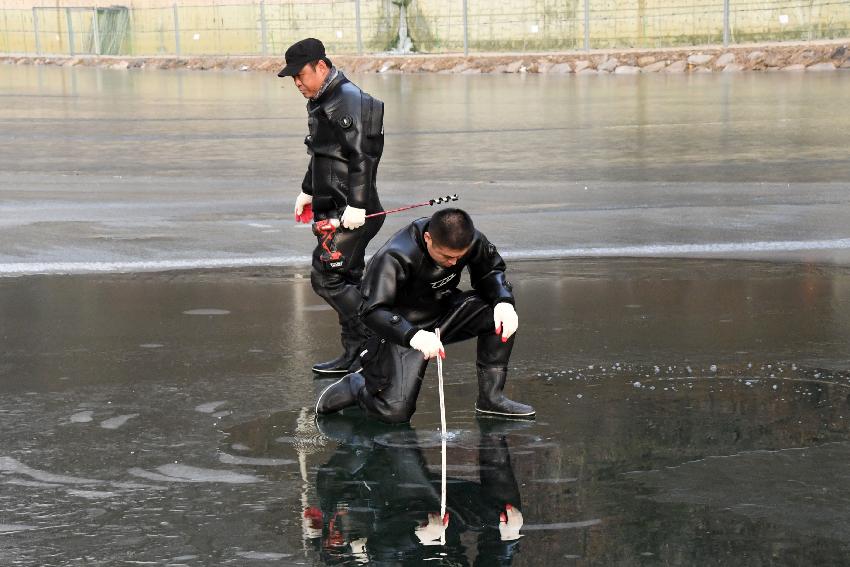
[587, 25]
[465, 29]
[263, 30]
[35, 29]
[95, 29]
[70, 31]
[725, 23]
[359, 29]
[176, 30]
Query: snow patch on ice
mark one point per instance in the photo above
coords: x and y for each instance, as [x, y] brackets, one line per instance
[185, 473]
[11, 465]
[210, 407]
[263, 555]
[81, 417]
[237, 460]
[118, 421]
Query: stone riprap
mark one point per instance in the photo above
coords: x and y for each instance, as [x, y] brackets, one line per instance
[814, 56]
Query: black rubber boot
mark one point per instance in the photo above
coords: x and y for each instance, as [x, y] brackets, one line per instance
[491, 400]
[352, 338]
[340, 395]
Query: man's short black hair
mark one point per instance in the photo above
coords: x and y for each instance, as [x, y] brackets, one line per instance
[452, 228]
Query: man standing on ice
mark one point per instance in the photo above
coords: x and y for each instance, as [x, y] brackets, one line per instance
[345, 143]
[409, 290]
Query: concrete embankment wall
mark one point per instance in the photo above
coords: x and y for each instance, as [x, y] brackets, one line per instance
[267, 27]
[809, 56]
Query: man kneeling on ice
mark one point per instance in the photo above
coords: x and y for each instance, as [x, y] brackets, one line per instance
[410, 289]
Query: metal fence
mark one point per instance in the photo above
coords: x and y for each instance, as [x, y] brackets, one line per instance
[434, 26]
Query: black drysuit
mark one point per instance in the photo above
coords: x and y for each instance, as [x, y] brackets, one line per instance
[405, 291]
[345, 144]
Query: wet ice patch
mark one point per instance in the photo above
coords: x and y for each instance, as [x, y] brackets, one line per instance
[10, 465]
[185, 473]
[81, 417]
[263, 555]
[33, 483]
[210, 407]
[322, 307]
[206, 312]
[560, 526]
[237, 460]
[151, 345]
[9, 528]
[118, 421]
[554, 480]
[92, 494]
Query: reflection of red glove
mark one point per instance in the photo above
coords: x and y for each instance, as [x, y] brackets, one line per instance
[306, 214]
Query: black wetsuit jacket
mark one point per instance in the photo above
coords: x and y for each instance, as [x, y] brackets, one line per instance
[404, 290]
[345, 143]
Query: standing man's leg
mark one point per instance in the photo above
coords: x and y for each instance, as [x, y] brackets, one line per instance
[339, 287]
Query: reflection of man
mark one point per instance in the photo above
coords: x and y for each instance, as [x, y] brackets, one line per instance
[345, 143]
[380, 504]
[410, 288]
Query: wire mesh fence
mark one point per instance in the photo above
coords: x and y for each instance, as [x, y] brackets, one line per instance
[267, 27]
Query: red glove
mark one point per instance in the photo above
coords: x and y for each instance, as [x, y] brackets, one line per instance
[306, 215]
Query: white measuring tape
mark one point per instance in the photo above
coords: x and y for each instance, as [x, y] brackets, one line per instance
[443, 439]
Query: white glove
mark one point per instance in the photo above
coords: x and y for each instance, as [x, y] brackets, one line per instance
[428, 344]
[506, 320]
[510, 523]
[301, 201]
[430, 533]
[352, 217]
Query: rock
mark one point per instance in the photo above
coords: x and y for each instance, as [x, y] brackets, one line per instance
[724, 60]
[826, 66]
[500, 69]
[756, 56]
[543, 67]
[560, 69]
[608, 65]
[796, 67]
[120, 65]
[770, 69]
[699, 59]
[846, 64]
[733, 68]
[676, 67]
[386, 66]
[581, 65]
[654, 67]
[626, 70]
[646, 60]
[514, 67]
[776, 59]
[701, 69]
[806, 57]
[587, 71]
[839, 52]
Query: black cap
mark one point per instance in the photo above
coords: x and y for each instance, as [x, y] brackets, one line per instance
[299, 54]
